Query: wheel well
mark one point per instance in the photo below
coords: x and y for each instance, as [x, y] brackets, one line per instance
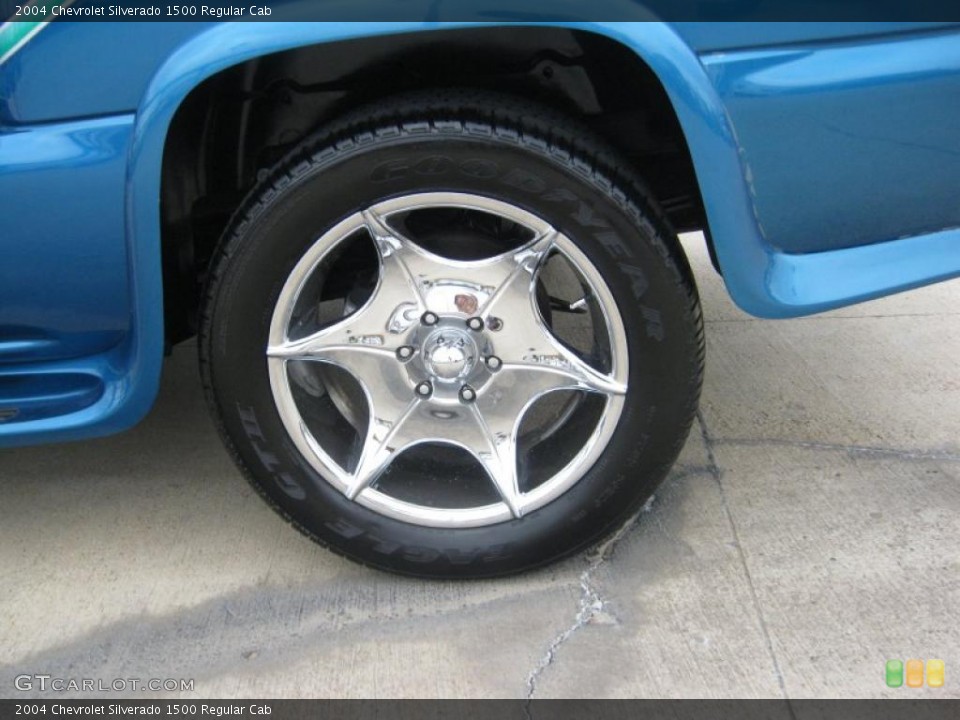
[239, 122]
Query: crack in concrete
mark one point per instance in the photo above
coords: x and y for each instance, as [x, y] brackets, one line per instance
[717, 474]
[592, 605]
[839, 447]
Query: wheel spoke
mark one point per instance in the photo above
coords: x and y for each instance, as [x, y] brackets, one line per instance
[384, 439]
[556, 368]
[459, 425]
[516, 285]
[394, 306]
[374, 366]
[457, 286]
[397, 254]
[501, 407]
[498, 455]
[518, 387]
[534, 360]
[335, 344]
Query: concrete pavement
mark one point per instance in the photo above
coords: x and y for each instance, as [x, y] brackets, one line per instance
[810, 531]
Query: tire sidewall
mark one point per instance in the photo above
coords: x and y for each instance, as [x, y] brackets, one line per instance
[623, 240]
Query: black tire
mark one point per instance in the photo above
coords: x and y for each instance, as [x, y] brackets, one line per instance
[542, 162]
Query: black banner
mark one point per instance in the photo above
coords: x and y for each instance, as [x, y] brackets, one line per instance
[489, 709]
[480, 10]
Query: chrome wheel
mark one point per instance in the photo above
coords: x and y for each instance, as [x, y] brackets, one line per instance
[449, 349]
[450, 335]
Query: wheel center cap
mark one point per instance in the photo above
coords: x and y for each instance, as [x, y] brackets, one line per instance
[449, 354]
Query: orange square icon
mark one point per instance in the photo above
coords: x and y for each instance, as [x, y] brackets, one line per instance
[915, 673]
[935, 673]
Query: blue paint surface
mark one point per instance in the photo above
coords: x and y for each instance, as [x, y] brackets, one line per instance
[848, 144]
[828, 171]
[63, 279]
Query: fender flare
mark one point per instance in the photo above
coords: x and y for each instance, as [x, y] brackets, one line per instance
[743, 255]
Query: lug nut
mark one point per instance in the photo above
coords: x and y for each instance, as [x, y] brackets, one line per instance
[494, 363]
[468, 394]
[429, 318]
[475, 324]
[404, 353]
[424, 389]
[494, 323]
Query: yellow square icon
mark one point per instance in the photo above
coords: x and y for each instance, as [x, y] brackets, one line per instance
[914, 673]
[935, 673]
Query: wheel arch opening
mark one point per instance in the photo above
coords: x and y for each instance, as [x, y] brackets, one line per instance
[235, 125]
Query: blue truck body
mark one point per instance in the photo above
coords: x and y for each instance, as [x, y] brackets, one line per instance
[827, 157]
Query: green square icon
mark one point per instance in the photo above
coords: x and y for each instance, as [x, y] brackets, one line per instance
[894, 673]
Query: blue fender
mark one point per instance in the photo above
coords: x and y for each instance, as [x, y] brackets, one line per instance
[699, 109]
[761, 280]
